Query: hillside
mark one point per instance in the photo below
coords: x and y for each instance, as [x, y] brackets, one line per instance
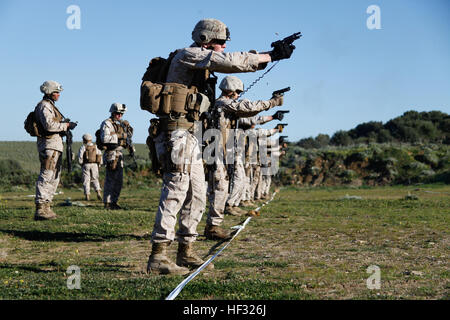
[373, 164]
[411, 148]
[411, 127]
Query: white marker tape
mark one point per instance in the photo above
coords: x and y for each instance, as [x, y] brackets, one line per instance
[239, 228]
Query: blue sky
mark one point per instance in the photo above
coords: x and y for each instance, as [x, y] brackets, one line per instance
[341, 73]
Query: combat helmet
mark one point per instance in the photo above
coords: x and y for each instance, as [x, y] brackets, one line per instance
[50, 86]
[87, 137]
[232, 83]
[118, 108]
[208, 29]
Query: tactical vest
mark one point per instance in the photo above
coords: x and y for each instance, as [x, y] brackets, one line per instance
[90, 154]
[179, 104]
[57, 118]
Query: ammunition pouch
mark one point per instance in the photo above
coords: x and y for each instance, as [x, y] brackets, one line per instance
[49, 163]
[153, 131]
[98, 158]
[167, 124]
[112, 165]
[173, 98]
[112, 160]
[150, 96]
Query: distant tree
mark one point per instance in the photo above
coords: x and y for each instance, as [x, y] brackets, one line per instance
[341, 138]
[411, 127]
[365, 129]
[308, 143]
[384, 136]
[323, 140]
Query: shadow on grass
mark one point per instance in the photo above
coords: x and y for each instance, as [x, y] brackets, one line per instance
[71, 236]
[52, 267]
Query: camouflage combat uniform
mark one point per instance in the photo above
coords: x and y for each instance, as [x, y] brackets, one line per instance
[50, 150]
[113, 160]
[227, 111]
[90, 167]
[184, 189]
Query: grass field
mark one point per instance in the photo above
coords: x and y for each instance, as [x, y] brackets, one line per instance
[306, 244]
[25, 152]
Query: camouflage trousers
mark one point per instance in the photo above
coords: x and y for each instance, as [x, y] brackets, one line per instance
[113, 177]
[238, 182]
[251, 181]
[184, 187]
[259, 185]
[217, 194]
[49, 175]
[90, 174]
[267, 180]
[264, 182]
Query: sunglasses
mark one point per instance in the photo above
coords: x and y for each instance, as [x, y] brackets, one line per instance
[219, 42]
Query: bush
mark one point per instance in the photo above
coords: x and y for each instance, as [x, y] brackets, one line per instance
[11, 173]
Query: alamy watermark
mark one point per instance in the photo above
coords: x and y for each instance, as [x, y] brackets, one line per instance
[374, 20]
[374, 281]
[73, 22]
[74, 280]
[228, 146]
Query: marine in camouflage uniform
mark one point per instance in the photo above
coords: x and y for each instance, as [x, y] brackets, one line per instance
[178, 149]
[274, 152]
[226, 112]
[244, 171]
[265, 167]
[50, 148]
[113, 137]
[90, 158]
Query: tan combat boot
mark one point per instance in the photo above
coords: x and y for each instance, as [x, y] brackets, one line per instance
[231, 211]
[87, 197]
[43, 212]
[99, 195]
[216, 233]
[186, 257]
[159, 263]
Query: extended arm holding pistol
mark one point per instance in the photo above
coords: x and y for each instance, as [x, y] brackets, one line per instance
[279, 115]
[282, 49]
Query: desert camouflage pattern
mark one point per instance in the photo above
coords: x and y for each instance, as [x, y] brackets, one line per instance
[49, 175]
[113, 160]
[183, 190]
[46, 114]
[89, 170]
[217, 194]
[194, 58]
[113, 177]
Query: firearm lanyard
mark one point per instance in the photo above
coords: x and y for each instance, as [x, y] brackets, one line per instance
[258, 79]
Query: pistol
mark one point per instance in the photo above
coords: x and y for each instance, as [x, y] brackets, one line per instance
[281, 91]
[287, 40]
[279, 115]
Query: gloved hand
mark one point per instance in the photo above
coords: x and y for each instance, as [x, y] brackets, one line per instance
[278, 116]
[280, 128]
[277, 100]
[282, 51]
[72, 125]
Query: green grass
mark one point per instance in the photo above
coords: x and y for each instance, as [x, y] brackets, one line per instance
[25, 152]
[308, 243]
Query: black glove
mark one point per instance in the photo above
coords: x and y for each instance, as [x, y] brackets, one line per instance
[282, 51]
[72, 125]
[278, 116]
